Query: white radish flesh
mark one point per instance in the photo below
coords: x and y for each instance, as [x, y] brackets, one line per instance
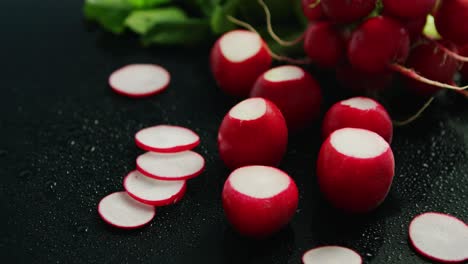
[139, 80]
[171, 166]
[120, 210]
[331, 255]
[166, 139]
[152, 191]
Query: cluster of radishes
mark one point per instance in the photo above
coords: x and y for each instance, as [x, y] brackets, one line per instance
[160, 178]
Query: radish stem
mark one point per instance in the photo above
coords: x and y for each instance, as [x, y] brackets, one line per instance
[448, 51]
[415, 116]
[315, 4]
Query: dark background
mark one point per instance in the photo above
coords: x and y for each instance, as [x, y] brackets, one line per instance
[66, 142]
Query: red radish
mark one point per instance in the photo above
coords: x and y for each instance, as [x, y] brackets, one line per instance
[258, 200]
[312, 9]
[361, 82]
[254, 132]
[440, 237]
[324, 44]
[171, 166]
[355, 169]
[331, 254]
[153, 192]
[415, 27]
[358, 112]
[464, 70]
[451, 21]
[377, 43]
[237, 59]
[139, 80]
[408, 9]
[166, 139]
[294, 91]
[120, 210]
[345, 11]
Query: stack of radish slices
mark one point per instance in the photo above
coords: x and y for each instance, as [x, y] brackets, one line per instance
[160, 178]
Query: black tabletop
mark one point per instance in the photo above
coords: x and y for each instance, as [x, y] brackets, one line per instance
[66, 141]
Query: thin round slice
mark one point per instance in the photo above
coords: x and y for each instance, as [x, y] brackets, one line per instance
[439, 237]
[166, 139]
[120, 210]
[152, 191]
[139, 80]
[331, 254]
[171, 166]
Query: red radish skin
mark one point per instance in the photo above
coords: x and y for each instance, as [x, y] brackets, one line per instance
[258, 200]
[345, 11]
[153, 192]
[355, 169]
[166, 139]
[451, 21]
[415, 27]
[377, 43]
[242, 137]
[139, 80]
[331, 254]
[324, 44]
[361, 82]
[120, 210]
[312, 9]
[464, 70]
[237, 59]
[408, 9]
[439, 237]
[171, 166]
[294, 91]
[358, 112]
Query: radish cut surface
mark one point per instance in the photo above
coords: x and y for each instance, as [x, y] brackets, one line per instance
[284, 73]
[167, 139]
[171, 166]
[249, 109]
[358, 143]
[439, 237]
[361, 103]
[240, 45]
[152, 191]
[121, 210]
[331, 254]
[139, 80]
[259, 181]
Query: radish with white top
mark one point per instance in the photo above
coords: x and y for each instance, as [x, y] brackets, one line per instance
[166, 139]
[331, 254]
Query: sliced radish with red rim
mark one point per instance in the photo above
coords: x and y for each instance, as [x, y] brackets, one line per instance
[139, 80]
[171, 166]
[152, 191]
[166, 139]
[440, 237]
[331, 254]
[120, 210]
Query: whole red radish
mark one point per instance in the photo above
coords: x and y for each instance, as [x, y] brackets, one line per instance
[360, 82]
[377, 43]
[464, 70]
[358, 112]
[408, 9]
[452, 21]
[345, 11]
[324, 44]
[237, 59]
[294, 91]
[312, 9]
[254, 132]
[355, 169]
[258, 200]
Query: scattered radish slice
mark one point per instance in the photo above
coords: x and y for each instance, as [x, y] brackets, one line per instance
[331, 254]
[139, 80]
[152, 191]
[171, 166]
[439, 237]
[120, 210]
[166, 139]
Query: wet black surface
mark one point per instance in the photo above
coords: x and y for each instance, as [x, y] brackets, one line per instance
[66, 142]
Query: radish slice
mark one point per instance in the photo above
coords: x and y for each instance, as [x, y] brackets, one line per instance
[166, 139]
[153, 192]
[139, 80]
[439, 237]
[171, 166]
[331, 254]
[120, 210]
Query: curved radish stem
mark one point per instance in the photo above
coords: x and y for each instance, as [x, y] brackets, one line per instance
[415, 116]
[272, 33]
[275, 56]
[410, 73]
[315, 4]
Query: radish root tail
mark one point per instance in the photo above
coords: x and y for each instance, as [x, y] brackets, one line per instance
[410, 73]
[449, 52]
[314, 4]
[415, 116]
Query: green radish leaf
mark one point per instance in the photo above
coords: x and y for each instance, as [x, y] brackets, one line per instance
[219, 22]
[110, 14]
[148, 3]
[207, 6]
[188, 31]
[142, 21]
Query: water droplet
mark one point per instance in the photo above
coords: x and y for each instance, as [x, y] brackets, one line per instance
[50, 188]
[82, 229]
